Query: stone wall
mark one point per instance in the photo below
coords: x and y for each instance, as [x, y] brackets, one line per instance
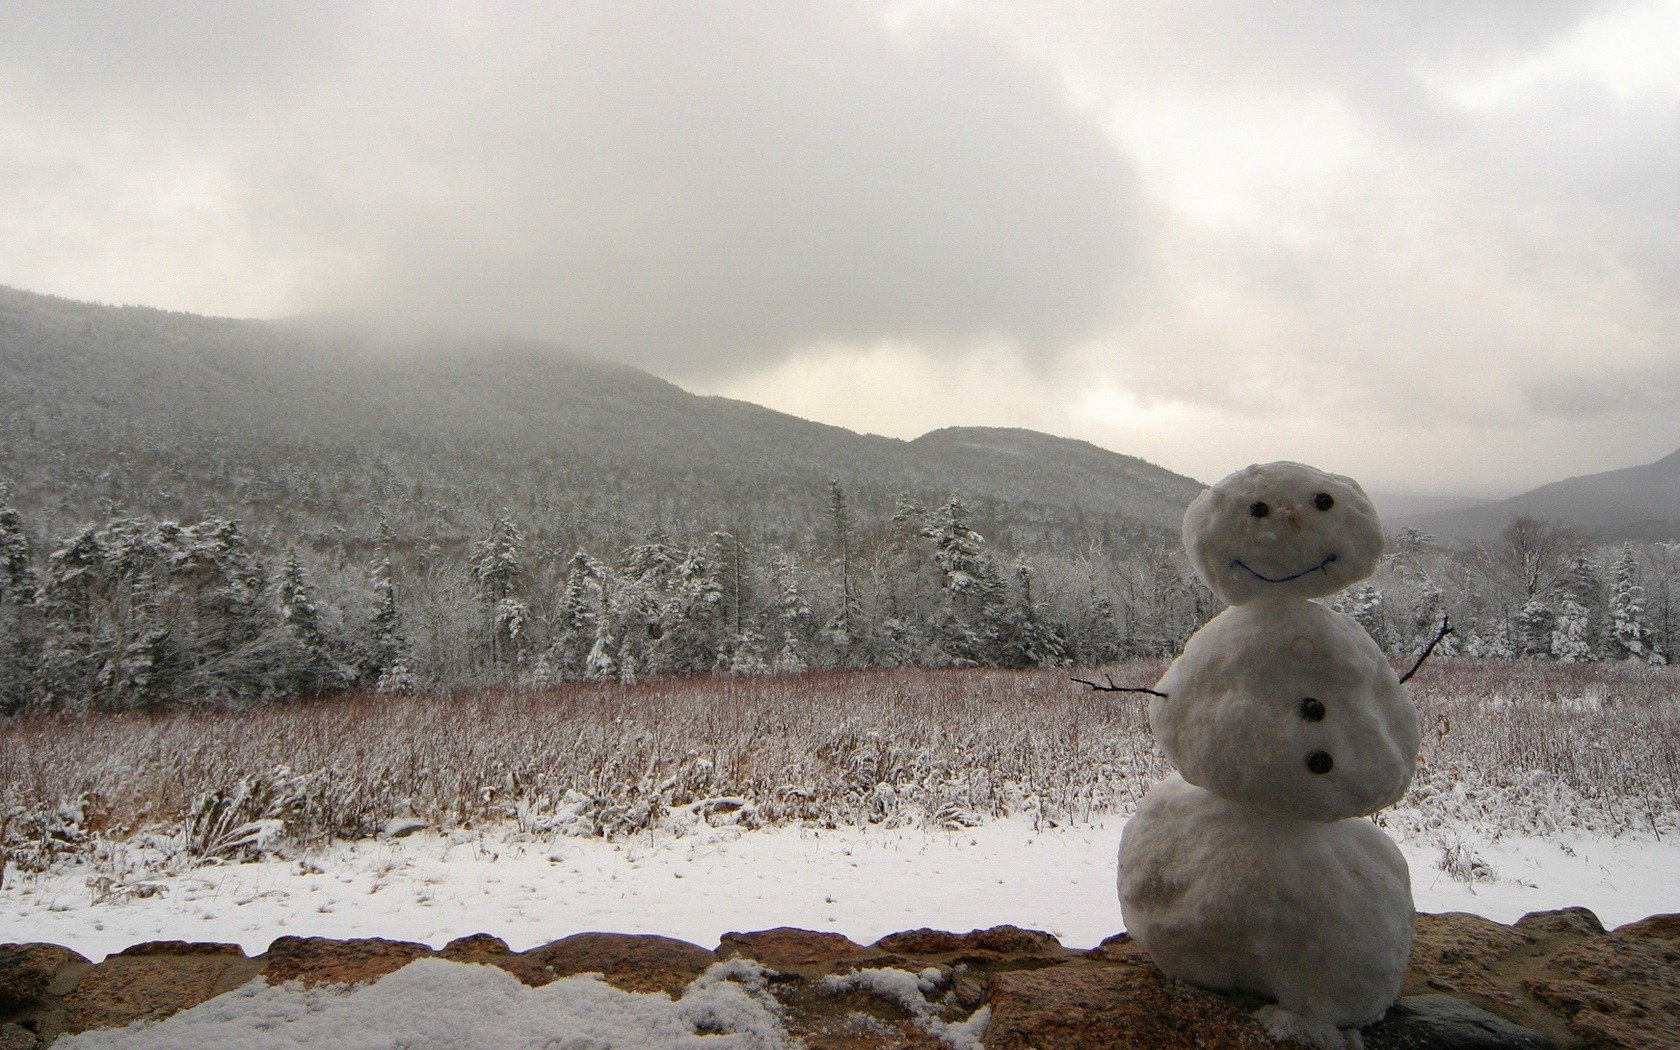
[1552, 979]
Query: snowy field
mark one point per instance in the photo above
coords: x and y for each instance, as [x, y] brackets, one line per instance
[863, 883]
[864, 803]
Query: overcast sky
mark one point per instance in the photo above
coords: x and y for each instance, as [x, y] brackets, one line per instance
[1433, 245]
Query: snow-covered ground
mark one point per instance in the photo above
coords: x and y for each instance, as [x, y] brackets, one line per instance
[863, 882]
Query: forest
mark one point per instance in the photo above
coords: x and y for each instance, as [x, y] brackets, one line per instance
[134, 612]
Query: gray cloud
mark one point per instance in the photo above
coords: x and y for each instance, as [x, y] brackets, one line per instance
[728, 190]
[692, 187]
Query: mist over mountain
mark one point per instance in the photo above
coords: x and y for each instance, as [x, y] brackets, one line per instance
[309, 429]
[1639, 503]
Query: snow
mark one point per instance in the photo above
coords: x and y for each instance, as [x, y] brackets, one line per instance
[437, 1003]
[1235, 718]
[1317, 916]
[862, 882]
[1261, 531]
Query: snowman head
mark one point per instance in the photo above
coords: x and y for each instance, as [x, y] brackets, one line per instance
[1282, 529]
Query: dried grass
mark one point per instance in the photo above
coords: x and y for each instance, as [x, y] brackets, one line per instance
[1509, 748]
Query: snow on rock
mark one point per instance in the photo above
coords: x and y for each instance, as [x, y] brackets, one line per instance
[433, 1002]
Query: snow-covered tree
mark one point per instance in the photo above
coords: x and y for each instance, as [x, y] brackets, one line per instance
[793, 618]
[314, 667]
[388, 647]
[1027, 639]
[498, 566]
[1571, 640]
[1534, 629]
[1365, 604]
[1630, 634]
[966, 625]
[21, 628]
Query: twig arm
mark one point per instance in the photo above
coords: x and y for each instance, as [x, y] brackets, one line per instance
[1112, 688]
[1446, 629]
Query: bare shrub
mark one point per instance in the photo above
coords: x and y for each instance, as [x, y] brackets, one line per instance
[1510, 747]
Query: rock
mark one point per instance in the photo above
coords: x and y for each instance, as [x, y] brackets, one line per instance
[17, 1037]
[1563, 920]
[1552, 979]
[1558, 973]
[790, 950]
[1618, 989]
[1466, 956]
[152, 983]
[322, 960]
[1089, 1004]
[27, 972]
[1659, 927]
[1441, 1022]
[401, 827]
[487, 950]
[977, 946]
[180, 948]
[632, 962]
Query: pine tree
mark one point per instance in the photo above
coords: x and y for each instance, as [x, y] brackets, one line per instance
[1570, 642]
[1027, 640]
[22, 630]
[843, 629]
[1630, 633]
[1573, 633]
[1534, 629]
[388, 659]
[315, 668]
[793, 618]
[498, 566]
[1365, 604]
[965, 629]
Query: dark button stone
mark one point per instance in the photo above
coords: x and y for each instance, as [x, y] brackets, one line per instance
[1258, 509]
[1320, 762]
[1324, 501]
[1312, 710]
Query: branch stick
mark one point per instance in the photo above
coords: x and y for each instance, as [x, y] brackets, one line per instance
[1445, 630]
[1112, 688]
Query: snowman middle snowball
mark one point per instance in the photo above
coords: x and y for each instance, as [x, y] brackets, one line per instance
[1249, 871]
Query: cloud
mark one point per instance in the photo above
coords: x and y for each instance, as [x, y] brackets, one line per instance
[689, 187]
[1298, 226]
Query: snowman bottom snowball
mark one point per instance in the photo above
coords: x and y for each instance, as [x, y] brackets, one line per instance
[1316, 916]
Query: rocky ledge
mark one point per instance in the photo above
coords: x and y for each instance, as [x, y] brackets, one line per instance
[1552, 979]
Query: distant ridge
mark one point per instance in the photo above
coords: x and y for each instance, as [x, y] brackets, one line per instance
[1633, 503]
[308, 427]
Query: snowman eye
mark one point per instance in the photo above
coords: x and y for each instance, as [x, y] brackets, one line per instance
[1258, 509]
[1324, 501]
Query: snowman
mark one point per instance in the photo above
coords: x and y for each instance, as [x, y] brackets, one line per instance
[1252, 870]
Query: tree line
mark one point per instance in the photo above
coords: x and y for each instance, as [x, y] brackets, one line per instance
[136, 613]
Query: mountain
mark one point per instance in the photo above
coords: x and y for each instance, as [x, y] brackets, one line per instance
[1634, 503]
[313, 431]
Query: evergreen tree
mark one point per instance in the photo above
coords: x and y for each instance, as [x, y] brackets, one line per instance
[388, 658]
[1534, 629]
[498, 566]
[843, 629]
[1630, 635]
[1365, 604]
[793, 618]
[314, 667]
[1027, 640]
[965, 630]
[22, 630]
[1571, 643]
[1576, 628]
